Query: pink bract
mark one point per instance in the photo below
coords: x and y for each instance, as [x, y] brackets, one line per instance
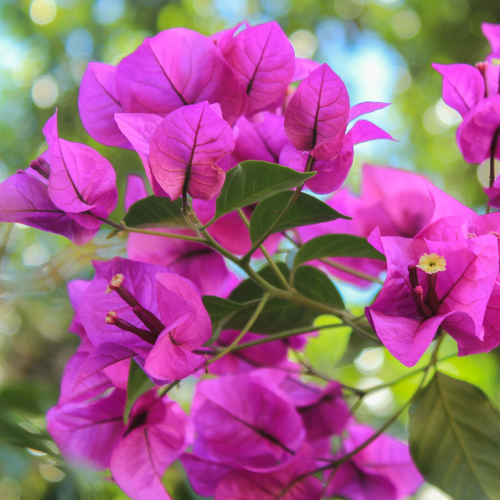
[185, 148]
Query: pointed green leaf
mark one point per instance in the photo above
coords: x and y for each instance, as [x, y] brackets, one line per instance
[306, 210]
[455, 439]
[277, 315]
[155, 211]
[253, 181]
[138, 384]
[316, 285]
[336, 245]
[220, 312]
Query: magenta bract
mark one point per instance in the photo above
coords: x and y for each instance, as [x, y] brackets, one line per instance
[463, 291]
[81, 181]
[98, 102]
[318, 110]
[157, 434]
[177, 67]
[185, 148]
[263, 60]
[463, 86]
[478, 134]
[156, 314]
[231, 430]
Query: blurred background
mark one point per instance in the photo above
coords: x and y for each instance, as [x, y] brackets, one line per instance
[382, 49]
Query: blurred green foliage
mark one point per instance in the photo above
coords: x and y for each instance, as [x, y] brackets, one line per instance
[45, 46]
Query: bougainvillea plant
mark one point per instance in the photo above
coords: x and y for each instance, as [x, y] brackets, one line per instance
[236, 136]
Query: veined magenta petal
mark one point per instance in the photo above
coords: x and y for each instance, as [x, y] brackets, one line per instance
[203, 473]
[103, 356]
[80, 179]
[492, 33]
[271, 130]
[185, 148]
[467, 283]
[139, 129]
[176, 68]
[157, 434]
[446, 206]
[87, 433]
[330, 174]
[89, 388]
[248, 144]
[263, 59]
[303, 68]
[351, 482]
[135, 191]
[168, 361]
[98, 102]
[364, 131]
[387, 457]
[476, 134]
[25, 200]
[177, 298]
[293, 482]
[463, 289]
[363, 108]
[463, 86]
[139, 280]
[232, 430]
[318, 110]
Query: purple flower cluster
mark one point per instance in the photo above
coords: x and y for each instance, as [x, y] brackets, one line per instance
[256, 428]
[475, 93]
[194, 107]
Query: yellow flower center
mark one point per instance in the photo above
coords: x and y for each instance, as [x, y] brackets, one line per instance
[432, 263]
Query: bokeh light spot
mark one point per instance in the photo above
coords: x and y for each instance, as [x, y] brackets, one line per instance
[370, 361]
[10, 322]
[204, 7]
[50, 473]
[35, 255]
[9, 489]
[304, 43]
[43, 11]
[45, 91]
[108, 11]
[24, 73]
[406, 24]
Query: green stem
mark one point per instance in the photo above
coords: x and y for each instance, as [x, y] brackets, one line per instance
[243, 332]
[408, 375]
[269, 259]
[286, 334]
[5, 241]
[125, 229]
[352, 271]
[164, 235]
[389, 422]
[270, 229]
[289, 295]
[288, 206]
[167, 388]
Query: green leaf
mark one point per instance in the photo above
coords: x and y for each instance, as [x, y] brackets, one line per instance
[138, 384]
[14, 434]
[336, 245]
[277, 315]
[306, 210]
[455, 439]
[253, 181]
[155, 211]
[220, 312]
[316, 285]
